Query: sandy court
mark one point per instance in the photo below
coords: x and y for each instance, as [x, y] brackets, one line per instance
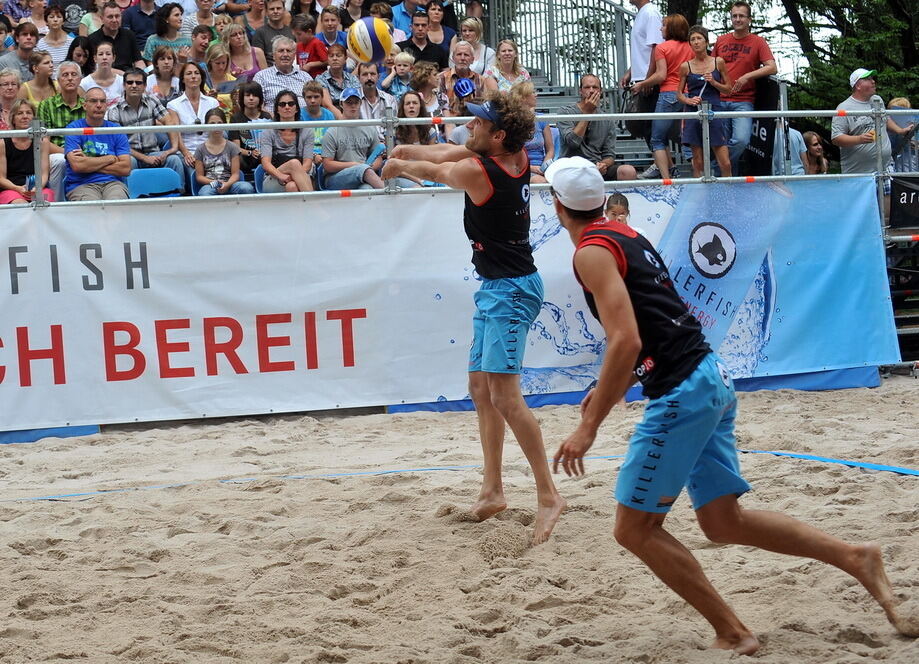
[369, 567]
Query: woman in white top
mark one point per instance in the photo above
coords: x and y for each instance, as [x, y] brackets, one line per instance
[506, 70]
[471, 31]
[190, 108]
[163, 83]
[37, 17]
[56, 42]
[105, 76]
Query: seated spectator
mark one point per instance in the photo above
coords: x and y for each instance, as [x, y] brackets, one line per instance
[253, 18]
[80, 51]
[331, 32]
[424, 82]
[56, 113]
[190, 108]
[26, 36]
[471, 30]
[399, 80]
[463, 91]
[97, 164]
[462, 60]
[92, 19]
[595, 141]
[168, 23]
[617, 208]
[139, 109]
[104, 76]
[284, 74]
[222, 21]
[201, 37]
[275, 26]
[249, 101]
[245, 60]
[351, 11]
[314, 111]
[56, 42]
[336, 78]
[704, 78]
[312, 53]
[9, 92]
[438, 33]
[401, 14]
[506, 70]
[541, 147]
[140, 19]
[221, 82]
[163, 83]
[204, 15]
[37, 16]
[287, 154]
[420, 47]
[124, 42]
[412, 106]
[375, 101]
[815, 162]
[347, 150]
[17, 160]
[793, 150]
[6, 35]
[17, 10]
[384, 12]
[41, 86]
[217, 162]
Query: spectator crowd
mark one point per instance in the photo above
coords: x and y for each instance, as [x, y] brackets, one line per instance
[95, 63]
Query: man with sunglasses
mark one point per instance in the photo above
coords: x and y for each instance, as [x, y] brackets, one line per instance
[97, 164]
[139, 109]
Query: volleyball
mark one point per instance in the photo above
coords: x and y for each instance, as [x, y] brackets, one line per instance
[369, 39]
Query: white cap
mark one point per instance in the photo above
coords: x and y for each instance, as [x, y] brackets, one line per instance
[859, 74]
[577, 183]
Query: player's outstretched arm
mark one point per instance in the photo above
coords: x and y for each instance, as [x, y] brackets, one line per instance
[437, 153]
[465, 175]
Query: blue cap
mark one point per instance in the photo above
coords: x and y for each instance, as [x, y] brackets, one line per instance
[487, 112]
[347, 93]
[463, 87]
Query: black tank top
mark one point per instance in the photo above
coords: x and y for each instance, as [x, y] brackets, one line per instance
[19, 163]
[499, 229]
[672, 343]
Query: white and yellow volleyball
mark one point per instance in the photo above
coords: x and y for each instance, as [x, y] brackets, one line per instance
[369, 39]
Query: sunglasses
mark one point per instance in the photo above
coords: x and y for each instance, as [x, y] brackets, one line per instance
[134, 82]
[286, 103]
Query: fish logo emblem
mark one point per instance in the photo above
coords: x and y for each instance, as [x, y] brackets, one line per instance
[712, 249]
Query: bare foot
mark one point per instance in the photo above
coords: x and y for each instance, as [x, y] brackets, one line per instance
[546, 518]
[742, 644]
[485, 508]
[870, 573]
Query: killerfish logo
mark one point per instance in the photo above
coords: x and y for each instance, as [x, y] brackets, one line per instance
[712, 249]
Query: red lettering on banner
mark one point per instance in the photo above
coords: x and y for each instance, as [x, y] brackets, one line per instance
[55, 354]
[309, 335]
[111, 350]
[212, 347]
[265, 342]
[346, 316]
[164, 347]
[2, 366]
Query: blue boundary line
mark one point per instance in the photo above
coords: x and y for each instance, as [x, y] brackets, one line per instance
[431, 469]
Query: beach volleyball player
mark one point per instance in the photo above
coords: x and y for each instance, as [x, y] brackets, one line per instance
[493, 170]
[686, 437]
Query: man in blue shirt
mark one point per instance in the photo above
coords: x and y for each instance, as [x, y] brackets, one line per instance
[140, 19]
[96, 163]
[402, 15]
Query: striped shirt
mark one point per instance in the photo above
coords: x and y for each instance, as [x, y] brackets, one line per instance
[146, 114]
[274, 81]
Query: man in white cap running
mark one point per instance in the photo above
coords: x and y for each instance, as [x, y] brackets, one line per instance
[686, 438]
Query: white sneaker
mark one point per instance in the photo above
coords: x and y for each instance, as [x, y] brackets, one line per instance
[652, 172]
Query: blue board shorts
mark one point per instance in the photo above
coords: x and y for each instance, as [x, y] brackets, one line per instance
[685, 439]
[504, 311]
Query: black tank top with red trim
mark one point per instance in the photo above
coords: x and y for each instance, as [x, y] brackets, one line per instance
[499, 228]
[672, 343]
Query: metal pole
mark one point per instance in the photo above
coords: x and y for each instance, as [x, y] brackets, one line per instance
[881, 176]
[705, 116]
[38, 133]
[553, 46]
[781, 129]
[389, 134]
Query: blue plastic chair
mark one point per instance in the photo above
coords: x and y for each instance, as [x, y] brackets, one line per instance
[154, 183]
[557, 140]
[258, 175]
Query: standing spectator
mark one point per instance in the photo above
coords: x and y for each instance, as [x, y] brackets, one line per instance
[793, 150]
[9, 92]
[274, 27]
[420, 47]
[346, 150]
[245, 60]
[124, 42]
[312, 54]
[190, 108]
[399, 80]
[330, 23]
[284, 75]
[705, 77]
[815, 162]
[351, 11]
[249, 109]
[335, 79]
[287, 154]
[438, 33]
[163, 83]
[80, 52]
[253, 18]
[41, 86]
[540, 148]
[748, 58]
[168, 23]
[56, 42]
[58, 112]
[26, 36]
[97, 164]
[91, 20]
[595, 141]
[141, 20]
[139, 109]
[203, 15]
[16, 10]
[37, 16]
[668, 56]
[506, 70]
[463, 55]
[903, 143]
[104, 76]
[471, 31]
[18, 181]
[375, 101]
[217, 162]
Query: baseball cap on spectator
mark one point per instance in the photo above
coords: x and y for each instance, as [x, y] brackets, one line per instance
[463, 87]
[348, 93]
[576, 183]
[859, 74]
